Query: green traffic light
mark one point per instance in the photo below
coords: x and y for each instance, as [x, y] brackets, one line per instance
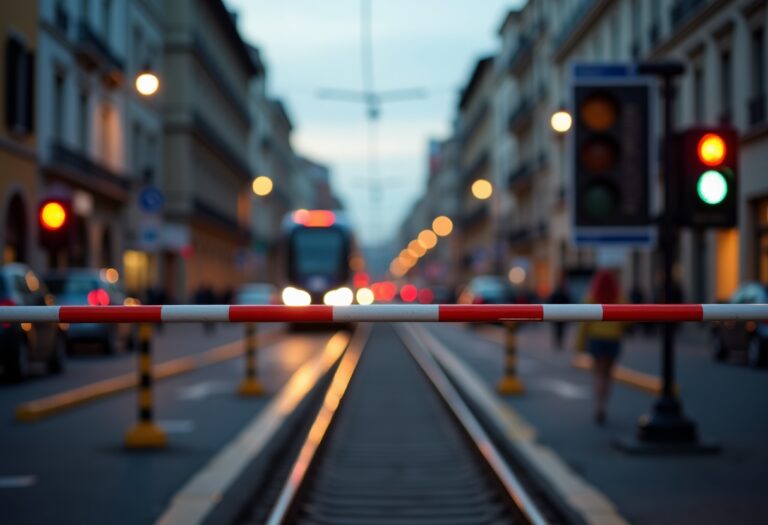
[712, 187]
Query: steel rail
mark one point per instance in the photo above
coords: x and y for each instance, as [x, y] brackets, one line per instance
[469, 423]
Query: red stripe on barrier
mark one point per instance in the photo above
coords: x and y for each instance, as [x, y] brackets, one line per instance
[317, 314]
[490, 312]
[653, 312]
[107, 314]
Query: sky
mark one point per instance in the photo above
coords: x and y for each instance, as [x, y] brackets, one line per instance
[309, 45]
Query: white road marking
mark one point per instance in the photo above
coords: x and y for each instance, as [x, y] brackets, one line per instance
[562, 388]
[177, 426]
[198, 391]
[17, 482]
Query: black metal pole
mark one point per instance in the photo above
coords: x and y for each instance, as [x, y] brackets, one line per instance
[666, 423]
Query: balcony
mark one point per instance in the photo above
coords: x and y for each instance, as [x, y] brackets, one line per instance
[79, 170]
[210, 214]
[683, 10]
[522, 55]
[477, 167]
[756, 109]
[94, 53]
[574, 22]
[474, 217]
[520, 177]
[521, 117]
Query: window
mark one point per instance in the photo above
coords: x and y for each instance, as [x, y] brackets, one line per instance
[58, 107]
[758, 63]
[19, 88]
[698, 94]
[726, 85]
[84, 119]
[106, 18]
[136, 148]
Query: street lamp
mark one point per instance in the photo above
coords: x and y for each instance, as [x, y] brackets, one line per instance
[147, 82]
[442, 226]
[262, 185]
[561, 121]
[482, 189]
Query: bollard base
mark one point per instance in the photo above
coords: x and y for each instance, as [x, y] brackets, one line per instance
[146, 435]
[251, 388]
[510, 386]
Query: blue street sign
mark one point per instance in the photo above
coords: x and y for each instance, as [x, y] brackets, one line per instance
[151, 199]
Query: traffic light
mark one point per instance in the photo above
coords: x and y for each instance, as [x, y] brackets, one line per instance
[55, 217]
[612, 156]
[707, 171]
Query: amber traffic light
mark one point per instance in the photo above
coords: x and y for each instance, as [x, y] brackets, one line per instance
[52, 215]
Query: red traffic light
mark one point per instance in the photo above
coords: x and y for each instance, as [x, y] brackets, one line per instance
[711, 149]
[53, 215]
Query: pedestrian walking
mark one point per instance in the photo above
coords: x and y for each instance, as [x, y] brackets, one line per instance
[560, 295]
[602, 339]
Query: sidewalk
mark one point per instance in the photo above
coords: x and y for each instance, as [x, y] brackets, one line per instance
[725, 400]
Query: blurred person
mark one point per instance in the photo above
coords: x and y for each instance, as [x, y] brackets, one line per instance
[560, 295]
[602, 339]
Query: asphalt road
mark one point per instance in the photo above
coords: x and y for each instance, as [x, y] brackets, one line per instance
[71, 468]
[728, 401]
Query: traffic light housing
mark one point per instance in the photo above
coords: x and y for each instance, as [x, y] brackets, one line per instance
[54, 223]
[707, 177]
[611, 155]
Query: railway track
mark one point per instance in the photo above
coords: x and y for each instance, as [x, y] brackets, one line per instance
[394, 442]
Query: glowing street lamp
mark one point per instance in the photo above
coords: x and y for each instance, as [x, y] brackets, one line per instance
[442, 226]
[482, 189]
[262, 186]
[561, 121]
[147, 83]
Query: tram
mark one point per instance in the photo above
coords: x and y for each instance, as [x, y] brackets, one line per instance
[317, 248]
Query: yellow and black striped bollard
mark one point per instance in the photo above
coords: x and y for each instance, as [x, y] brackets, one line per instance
[510, 383]
[250, 385]
[145, 433]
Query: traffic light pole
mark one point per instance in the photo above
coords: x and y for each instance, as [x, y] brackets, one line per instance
[666, 425]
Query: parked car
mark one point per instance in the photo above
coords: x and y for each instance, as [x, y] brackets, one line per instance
[24, 343]
[748, 338]
[85, 286]
[487, 289]
[256, 293]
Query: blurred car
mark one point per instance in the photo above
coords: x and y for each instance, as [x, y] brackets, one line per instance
[748, 338]
[256, 293]
[23, 343]
[85, 286]
[487, 289]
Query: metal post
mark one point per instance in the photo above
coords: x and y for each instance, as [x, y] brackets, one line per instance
[145, 433]
[250, 386]
[510, 384]
[666, 423]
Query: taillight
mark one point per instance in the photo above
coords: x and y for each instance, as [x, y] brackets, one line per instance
[7, 302]
[98, 297]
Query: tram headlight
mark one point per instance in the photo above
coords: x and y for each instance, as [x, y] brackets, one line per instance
[339, 297]
[295, 297]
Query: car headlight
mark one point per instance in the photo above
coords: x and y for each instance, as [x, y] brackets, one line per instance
[295, 297]
[340, 297]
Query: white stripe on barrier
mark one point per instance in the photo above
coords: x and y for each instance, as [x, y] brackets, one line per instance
[195, 313]
[387, 312]
[29, 314]
[573, 312]
[734, 312]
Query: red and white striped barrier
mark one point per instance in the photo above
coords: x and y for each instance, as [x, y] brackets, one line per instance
[387, 312]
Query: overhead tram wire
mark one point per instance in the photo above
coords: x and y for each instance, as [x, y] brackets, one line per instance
[372, 100]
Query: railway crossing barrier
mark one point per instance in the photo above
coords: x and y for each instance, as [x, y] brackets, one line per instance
[147, 434]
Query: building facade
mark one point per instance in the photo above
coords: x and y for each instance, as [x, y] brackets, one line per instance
[207, 177]
[19, 178]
